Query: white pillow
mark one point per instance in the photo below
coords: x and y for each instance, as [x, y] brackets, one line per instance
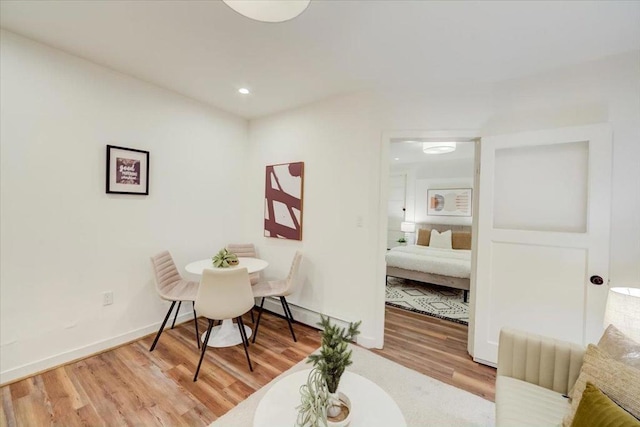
[440, 240]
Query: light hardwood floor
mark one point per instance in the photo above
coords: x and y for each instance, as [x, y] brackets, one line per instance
[131, 386]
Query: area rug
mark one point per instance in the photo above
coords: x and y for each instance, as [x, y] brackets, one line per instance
[425, 298]
[422, 399]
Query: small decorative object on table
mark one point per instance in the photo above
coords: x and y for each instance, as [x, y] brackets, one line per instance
[402, 241]
[224, 259]
[321, 402]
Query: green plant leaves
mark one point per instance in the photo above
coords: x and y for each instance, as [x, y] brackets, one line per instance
[222, 258]
[334, 354]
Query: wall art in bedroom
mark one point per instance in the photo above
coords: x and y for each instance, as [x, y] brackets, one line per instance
[449, 202]
[127, 171]
[284, 185]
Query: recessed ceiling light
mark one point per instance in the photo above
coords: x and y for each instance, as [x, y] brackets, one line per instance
[244, 91]
[397, 158]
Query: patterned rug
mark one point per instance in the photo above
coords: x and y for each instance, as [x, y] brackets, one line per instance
[432, 300]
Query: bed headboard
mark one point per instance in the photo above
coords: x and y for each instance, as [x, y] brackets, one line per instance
[460, 234]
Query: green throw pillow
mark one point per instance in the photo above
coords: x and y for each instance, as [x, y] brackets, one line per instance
[597, 410]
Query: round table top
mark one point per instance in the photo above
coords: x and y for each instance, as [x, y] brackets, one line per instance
[252, 265]
[370, 405]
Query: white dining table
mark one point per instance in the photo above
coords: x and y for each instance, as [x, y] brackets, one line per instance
[227, 334]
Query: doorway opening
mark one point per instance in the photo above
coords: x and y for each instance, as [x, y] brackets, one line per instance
[429, 344]
[429, 205]
[429, 226]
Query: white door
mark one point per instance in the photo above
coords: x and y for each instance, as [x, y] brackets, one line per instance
[397, 201]
[543, 232]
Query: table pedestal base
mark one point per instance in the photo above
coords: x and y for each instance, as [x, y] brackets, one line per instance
[226, 335]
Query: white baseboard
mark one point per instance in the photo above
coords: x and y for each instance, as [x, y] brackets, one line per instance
[311, 318]
[368, 342]
[63, 358]
[485, 362]
[300, 314]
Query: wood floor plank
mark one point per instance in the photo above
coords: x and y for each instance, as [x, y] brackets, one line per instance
[131, 386]
[7, 417]
[437, 348]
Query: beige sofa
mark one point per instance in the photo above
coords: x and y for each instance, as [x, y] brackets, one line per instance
[534, 376]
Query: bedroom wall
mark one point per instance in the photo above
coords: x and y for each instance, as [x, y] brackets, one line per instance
[64, 241]
[341, 138]
[439, 173]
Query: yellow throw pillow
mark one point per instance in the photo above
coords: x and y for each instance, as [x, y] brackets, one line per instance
[618, 381]
[597, 410]
[460, 240]
[424, 235]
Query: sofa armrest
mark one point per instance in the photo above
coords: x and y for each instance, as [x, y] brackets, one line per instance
[543, 361]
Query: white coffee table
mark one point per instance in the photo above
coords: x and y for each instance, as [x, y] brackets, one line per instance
[227, 334]
[371, 405]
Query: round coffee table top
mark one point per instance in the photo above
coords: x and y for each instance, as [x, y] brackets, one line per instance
[371, 405]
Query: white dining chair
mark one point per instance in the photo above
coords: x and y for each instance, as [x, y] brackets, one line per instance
[247, 250]
[172, 287]
[279, 288]
[224, 294]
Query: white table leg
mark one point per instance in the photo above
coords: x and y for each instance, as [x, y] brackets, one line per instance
[226, 335]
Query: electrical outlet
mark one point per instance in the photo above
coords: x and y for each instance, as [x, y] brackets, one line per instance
[107, 298]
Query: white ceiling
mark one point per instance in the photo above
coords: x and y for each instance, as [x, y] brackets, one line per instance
[206, 51]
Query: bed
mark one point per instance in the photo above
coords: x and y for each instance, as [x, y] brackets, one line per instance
[422, 263]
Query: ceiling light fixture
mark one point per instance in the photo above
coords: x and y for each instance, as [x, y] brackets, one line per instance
[268, 10]
[244, 91]
[438, 147]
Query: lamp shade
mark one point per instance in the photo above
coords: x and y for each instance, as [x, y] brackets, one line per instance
[268, 10]
[623, 311]
[408, 227]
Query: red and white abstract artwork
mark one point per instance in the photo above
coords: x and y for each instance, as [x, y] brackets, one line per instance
[283, 201]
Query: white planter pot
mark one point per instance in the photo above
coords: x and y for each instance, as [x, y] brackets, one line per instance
[344, 399]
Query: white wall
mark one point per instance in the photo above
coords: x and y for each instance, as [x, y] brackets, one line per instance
[343, 142]
[443, 173]
[334, 139]
[64, 241]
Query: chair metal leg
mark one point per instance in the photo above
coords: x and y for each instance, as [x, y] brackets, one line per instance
[288, 315]
[245, 341]
[204, 348]
[176, 315]
[255, 331]
[155, 341]
[195, 320]
[252, 319]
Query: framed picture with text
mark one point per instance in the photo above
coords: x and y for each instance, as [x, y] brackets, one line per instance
[127, 170]
[449, 202]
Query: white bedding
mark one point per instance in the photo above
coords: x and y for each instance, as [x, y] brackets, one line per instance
[446, 262]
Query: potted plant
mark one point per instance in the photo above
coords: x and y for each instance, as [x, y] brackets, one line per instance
[329, 365]
[402, 241]
[224, 259]
[314, 396]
